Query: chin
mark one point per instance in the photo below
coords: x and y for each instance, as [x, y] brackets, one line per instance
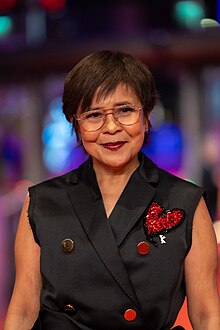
[120, 162]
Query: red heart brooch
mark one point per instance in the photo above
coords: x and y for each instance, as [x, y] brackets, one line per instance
[159, 220]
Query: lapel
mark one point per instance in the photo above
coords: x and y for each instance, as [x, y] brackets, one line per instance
[134, 200]
[87, 202]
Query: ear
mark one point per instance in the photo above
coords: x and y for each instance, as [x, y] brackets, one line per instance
[77, 129]
[147, 121]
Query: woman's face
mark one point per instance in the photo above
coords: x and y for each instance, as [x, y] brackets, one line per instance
[114, 146]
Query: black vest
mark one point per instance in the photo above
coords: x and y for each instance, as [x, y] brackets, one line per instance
[91, 281]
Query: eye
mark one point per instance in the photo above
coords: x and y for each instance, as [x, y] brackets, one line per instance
[91, 115]
[125, 110]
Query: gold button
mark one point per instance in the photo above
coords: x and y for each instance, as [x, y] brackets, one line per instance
[68, 245]
[130, 315]
[69, 308]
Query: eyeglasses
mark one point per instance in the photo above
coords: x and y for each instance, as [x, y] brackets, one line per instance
[93, 120]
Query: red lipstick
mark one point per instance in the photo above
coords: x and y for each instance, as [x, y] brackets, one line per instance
[113, 146]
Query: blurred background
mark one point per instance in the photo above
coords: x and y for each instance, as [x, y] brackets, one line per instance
[40, 41]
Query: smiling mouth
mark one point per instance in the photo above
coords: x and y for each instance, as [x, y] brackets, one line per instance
[113, 146]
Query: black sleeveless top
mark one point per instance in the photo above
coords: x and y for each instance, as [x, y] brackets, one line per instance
[124, 272]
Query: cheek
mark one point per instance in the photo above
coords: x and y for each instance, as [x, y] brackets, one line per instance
[137, 130]
[87, 137]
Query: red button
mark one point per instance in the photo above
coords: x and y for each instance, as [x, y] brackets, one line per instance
[143, 248]
[130, 315]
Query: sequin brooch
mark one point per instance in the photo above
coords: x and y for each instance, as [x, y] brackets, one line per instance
[159, 220]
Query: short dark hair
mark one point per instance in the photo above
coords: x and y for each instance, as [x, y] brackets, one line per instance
[106, 70]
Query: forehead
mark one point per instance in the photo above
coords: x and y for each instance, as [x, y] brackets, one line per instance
[121, 93]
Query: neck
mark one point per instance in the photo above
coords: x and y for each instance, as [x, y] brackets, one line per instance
[112, 182]
[106, 173]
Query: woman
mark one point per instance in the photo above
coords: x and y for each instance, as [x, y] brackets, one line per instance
[110, 245]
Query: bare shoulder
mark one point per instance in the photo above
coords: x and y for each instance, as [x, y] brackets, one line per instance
[203, 230]
[25, 245]
[203, 252]
[201, 270]
[25, 301]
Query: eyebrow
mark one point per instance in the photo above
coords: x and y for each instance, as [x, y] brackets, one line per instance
[115, 105]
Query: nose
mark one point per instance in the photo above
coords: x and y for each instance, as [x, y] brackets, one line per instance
[111, 125]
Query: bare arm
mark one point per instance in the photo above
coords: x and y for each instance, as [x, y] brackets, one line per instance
[201, 273]
[25, 302]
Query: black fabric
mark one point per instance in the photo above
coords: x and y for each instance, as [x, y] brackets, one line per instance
[37, 325]
[104, 275]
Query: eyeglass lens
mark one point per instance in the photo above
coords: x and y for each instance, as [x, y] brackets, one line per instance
[94, 119]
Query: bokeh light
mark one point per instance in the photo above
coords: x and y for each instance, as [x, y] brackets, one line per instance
[166, 147]
[8, 4]
[6, 25]
[57, 141]
[189, 13]
[53, 5]
[61, 150]
[209, 23]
